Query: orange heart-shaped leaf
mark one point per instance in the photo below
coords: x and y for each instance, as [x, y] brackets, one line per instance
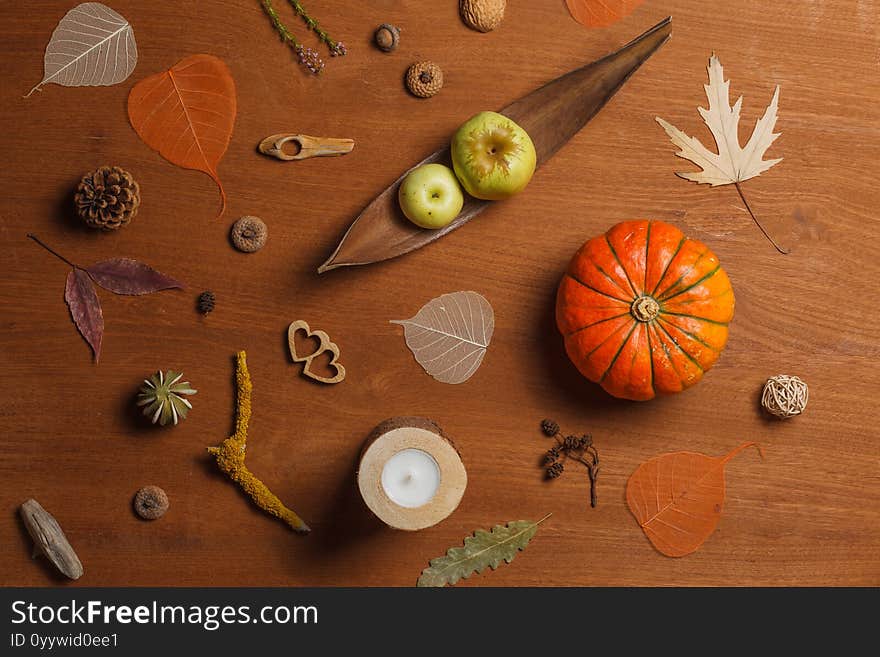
[187, 113]
[677, 498]
[325, 345]
[600, 13]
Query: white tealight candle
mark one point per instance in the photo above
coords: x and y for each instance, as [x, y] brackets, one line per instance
[410, 474]
[411, 478]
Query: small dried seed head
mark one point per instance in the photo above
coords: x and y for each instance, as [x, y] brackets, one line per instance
[550, 427]
[387, 37]
[150, 502]
[249, 234]
[555, 470]
[570, 442]
[424, 79]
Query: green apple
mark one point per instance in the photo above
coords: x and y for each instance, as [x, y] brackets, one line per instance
[430, 196]
[493, 157]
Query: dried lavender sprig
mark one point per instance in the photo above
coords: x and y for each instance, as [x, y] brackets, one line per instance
[281, 28]
[306, 56]
[337, 48]
[310, 59]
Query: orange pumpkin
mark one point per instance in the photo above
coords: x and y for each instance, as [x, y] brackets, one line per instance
[644, 310]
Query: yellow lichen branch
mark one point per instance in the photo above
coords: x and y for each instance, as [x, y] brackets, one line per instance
[231, 452]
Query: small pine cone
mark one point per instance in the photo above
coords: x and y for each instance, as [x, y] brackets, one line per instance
[108, 198]
[570, 442]
[585, 441]
[206, 302]
[550, 427]
[551, 456]
[555, 470]
[424, 79]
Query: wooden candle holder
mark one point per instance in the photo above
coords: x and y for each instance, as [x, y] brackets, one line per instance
[389, 438]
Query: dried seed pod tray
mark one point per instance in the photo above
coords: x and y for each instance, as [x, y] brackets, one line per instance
[551, 115]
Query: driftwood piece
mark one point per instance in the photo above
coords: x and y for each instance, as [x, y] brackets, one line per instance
[49, 539]
[308, 146]
[325, 344]
[392, 436]
[551, 115]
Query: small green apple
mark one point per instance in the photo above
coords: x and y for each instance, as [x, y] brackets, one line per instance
[430, 196]
[493, 157]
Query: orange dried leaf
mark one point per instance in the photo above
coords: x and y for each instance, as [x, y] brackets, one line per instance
[600, 13]
[187, 113]
[677, 498]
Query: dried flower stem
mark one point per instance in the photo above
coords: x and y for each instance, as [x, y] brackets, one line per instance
[51, 250]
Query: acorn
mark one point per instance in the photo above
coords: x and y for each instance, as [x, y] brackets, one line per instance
[387, 37]
[482, 15]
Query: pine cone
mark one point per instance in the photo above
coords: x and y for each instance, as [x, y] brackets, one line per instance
[107, 198]
[206, 302]
[550, 427]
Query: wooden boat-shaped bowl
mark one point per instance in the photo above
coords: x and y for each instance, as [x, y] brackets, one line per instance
[551, 115]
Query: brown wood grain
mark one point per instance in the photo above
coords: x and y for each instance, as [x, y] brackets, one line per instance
[71, 438]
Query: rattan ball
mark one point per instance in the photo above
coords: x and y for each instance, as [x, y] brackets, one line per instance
[785, 396]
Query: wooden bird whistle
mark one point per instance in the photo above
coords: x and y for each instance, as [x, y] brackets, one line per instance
[307, 146]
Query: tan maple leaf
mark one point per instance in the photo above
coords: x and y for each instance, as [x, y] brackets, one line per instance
[733, 163]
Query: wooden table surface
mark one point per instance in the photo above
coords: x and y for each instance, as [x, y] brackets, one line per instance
[808, 514]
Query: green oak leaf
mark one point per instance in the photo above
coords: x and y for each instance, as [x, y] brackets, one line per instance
[480, 550]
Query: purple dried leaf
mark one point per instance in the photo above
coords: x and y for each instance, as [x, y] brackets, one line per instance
[127, 276]
[85, 308]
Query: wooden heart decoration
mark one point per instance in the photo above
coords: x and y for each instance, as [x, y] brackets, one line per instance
[325, 344]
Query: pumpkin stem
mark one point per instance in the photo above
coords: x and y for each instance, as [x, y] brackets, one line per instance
[645, 308]
[758, 223]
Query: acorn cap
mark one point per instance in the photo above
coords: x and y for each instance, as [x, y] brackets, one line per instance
[249, 234]
[150, 502]
[424, 79]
